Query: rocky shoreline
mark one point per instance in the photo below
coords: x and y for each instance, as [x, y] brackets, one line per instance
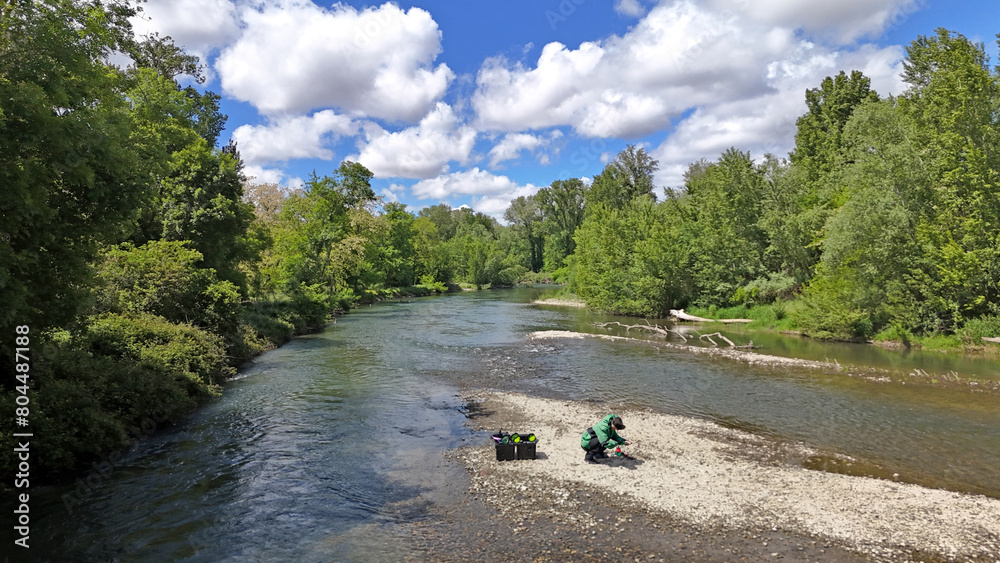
[697, 492]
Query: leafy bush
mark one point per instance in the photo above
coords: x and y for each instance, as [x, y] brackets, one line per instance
[311, 305]
[273, 327]
[825, 313]
[182, 350]
[90, 390]
[975, 329]
[776, 286]
[163, 278]
[508, 276]
[895, 333]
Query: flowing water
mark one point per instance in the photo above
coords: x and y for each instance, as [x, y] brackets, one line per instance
[322, 448]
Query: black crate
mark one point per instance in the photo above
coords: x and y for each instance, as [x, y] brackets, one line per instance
[525, 450]
[523, 437]
[505, 452]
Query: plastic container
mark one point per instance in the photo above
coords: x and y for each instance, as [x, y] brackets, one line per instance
[506, 452]
[526, 450]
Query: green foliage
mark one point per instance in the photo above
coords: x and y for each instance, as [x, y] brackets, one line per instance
[69, 173]
[428, 282]
[626, 260]
[975, 329]
[201, 202]
[182, 350]
[90, 390]
[826, 312]
[525, 218]
[719, 226]
[628, 176]
[818, 139]
[562, 205]
[895, 333]
[163, 278]
[774, 287]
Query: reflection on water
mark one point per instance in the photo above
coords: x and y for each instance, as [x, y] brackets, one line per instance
[322, 447]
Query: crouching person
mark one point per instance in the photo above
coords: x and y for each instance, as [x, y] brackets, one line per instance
[601, 436]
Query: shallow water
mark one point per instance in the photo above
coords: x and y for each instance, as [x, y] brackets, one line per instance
[322, 448]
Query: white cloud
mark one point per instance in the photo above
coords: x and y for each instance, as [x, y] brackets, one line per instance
[198, 26]
[511, 145]
[683, 55]
[679, 56]
[294, 56]
[423, 151]
[844, 21]
[629, 8]
[476, 182]
[261, 175]
[766, 123]
[391, 194]
[292, 137]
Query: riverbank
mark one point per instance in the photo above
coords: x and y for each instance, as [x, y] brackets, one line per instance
[701, 492]
[766, 319]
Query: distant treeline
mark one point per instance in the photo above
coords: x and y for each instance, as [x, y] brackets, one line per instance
[142, 267]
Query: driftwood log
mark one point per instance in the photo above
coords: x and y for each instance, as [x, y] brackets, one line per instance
[993, 339]
[657, 329]
[680, 315]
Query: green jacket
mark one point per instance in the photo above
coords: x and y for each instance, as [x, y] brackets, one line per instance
[605, 433]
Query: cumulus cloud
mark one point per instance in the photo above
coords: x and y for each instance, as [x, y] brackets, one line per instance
[844, 21]
[512, 144]
[198, 26]
[629, 8]
[291, 137]
[294, 56]
[493, 193]
[766, 123]
[261, 175]
[681, 56]
[422, 151]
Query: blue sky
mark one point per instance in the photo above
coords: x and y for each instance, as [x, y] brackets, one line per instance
[475, 103]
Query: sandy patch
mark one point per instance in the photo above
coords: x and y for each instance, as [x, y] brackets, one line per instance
[752, 358]
[712, 477]
[561, 303]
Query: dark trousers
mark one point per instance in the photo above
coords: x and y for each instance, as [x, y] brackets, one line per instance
[595, 449]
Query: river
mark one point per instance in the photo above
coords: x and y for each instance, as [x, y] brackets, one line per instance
[321, 449]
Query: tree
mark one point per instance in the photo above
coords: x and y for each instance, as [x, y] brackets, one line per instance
[955, 100]
[722, 209]
[68, 170]
[562, 205]
[442, 217]
[628, 176]
[324, 235]
[526, 218]
[166, 58]
[872, 252]
[395, 250]
[628, 259]
[201, 200]
[817, 140]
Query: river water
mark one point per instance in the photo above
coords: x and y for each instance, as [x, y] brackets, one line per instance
[322, 448]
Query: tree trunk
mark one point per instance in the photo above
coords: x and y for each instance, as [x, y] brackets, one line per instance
[680, 315]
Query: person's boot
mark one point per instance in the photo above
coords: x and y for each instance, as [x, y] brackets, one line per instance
[589, 458]
[600, 455]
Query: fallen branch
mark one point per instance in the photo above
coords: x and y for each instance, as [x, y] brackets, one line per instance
[728, 341]
[647, 327]
[993, 339]
[719, 334]
[680, 315]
